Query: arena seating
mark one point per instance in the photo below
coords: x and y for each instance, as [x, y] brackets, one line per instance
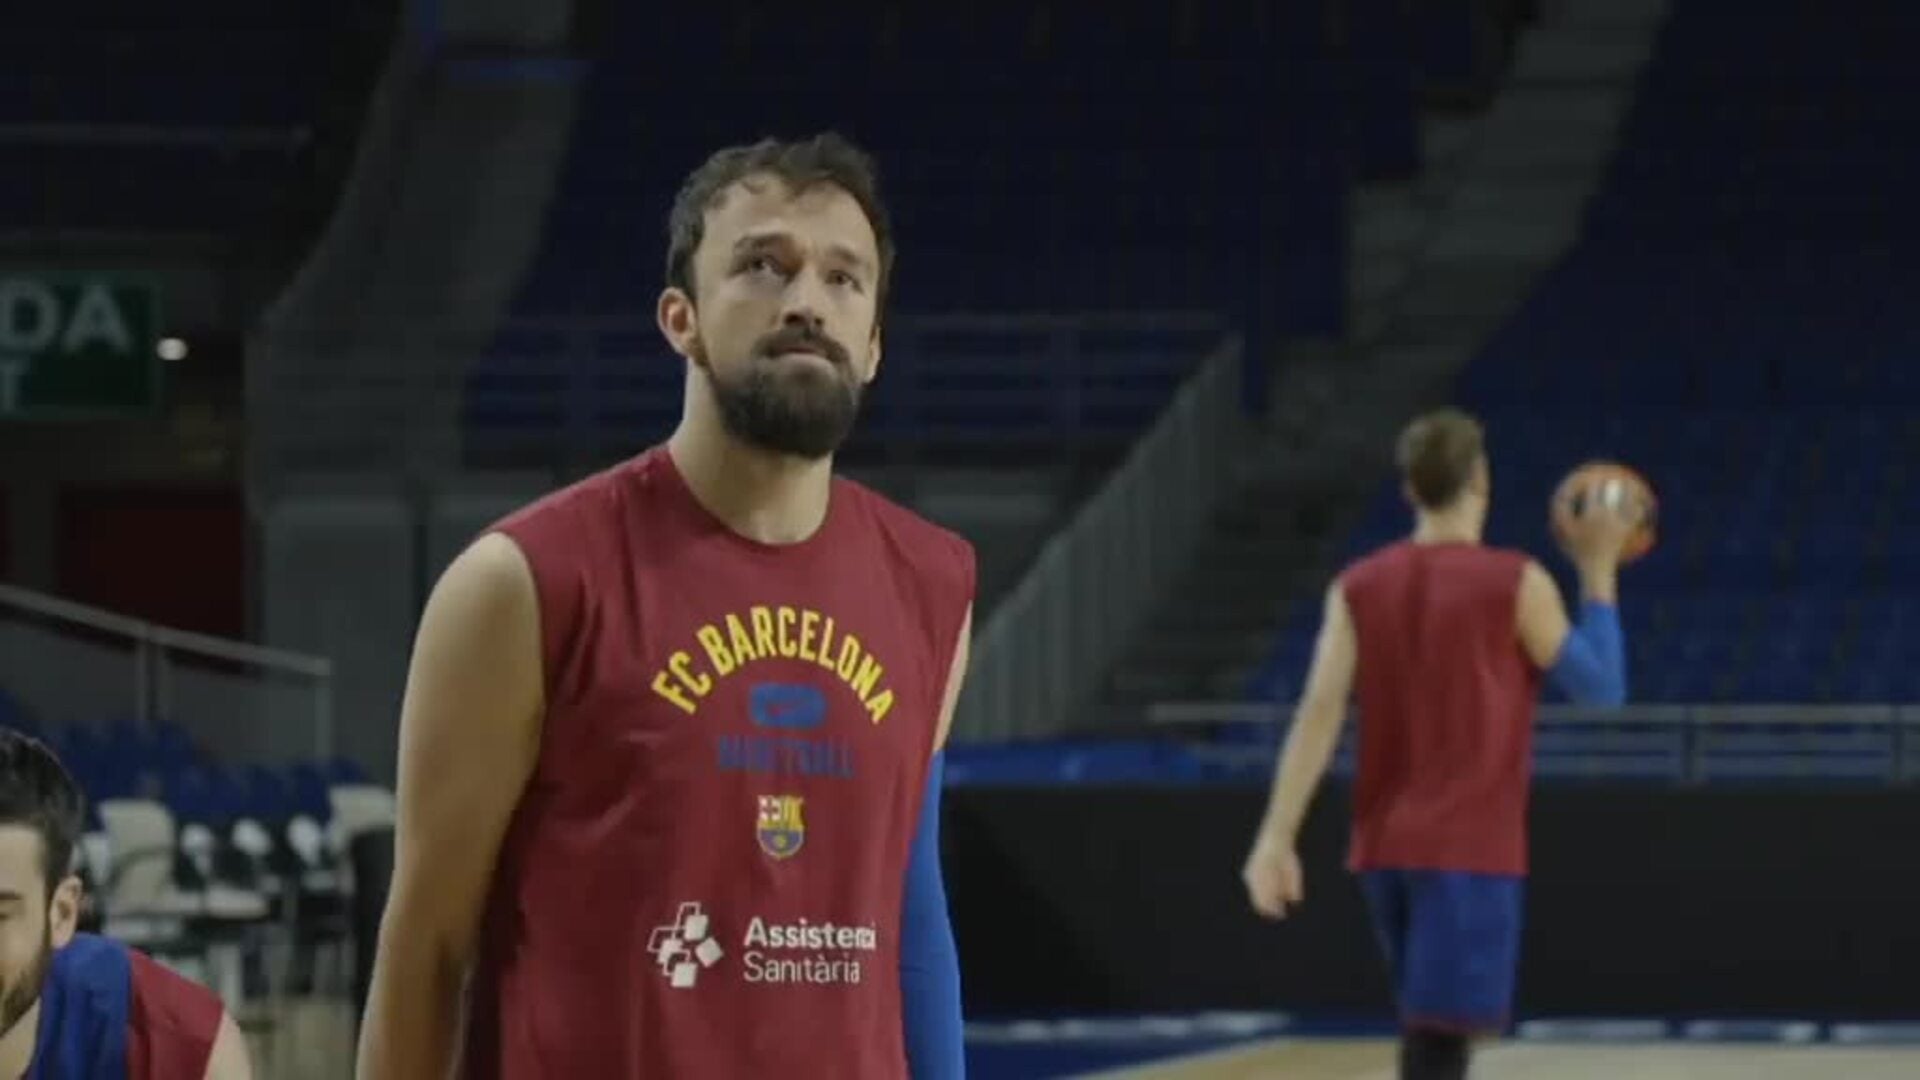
[194, 858]
[1733, 323]
[986, 389]
[1162, 197]
[132, 119]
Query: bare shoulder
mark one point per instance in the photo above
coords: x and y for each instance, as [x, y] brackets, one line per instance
[230, 1058]
[1533, 575]
[487, 587]
[1536, 592]
[1540, 618]
[493, 565]
[480, 632]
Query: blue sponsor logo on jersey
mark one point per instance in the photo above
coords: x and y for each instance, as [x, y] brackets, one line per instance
[793, 706]
[785, 707]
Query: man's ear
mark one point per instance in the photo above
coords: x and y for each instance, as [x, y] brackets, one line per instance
[679, 320]
[63, 912]
[874, 350]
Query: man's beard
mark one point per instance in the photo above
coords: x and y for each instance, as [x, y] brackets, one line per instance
[801, 412]
[22, 996]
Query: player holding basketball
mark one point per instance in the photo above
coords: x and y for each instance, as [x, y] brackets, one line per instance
[1442, 642]
[77, 1005]
[670, 754]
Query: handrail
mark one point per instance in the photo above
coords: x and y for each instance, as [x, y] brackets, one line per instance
[1176, 714]
[1068, 319]
[903, 325]
[240, 652]
[155, 648]
[1045, 647]
[572, 391]
[130, 135]
[1700, 740]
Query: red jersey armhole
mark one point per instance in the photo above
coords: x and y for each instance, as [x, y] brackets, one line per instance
[171, 1024]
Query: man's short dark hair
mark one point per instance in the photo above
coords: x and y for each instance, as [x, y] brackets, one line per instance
[1437, 454]
[827, 158]
[37, 792]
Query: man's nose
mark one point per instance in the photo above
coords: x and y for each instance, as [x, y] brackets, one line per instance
[801, 316]
[805, 304]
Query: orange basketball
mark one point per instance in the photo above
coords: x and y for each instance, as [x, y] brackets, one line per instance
[1610, 484]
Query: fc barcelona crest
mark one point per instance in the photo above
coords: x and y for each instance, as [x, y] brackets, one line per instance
[781, 828]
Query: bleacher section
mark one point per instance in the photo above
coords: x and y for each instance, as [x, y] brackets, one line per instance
[1734, 323]
[1193, 158]
[981, 389]
[147, 120]
[206, 862]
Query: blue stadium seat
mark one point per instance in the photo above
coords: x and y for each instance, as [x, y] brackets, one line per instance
[1000, 211]
[307, 791]
[224, 112]
[1729, 324]
[204, 795]
[265, 796]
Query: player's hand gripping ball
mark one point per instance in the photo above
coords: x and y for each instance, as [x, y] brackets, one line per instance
[1607, 485]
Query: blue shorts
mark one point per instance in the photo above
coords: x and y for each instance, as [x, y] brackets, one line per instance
[1452, 942]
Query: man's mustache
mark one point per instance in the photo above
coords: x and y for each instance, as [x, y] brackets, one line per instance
[792, 339]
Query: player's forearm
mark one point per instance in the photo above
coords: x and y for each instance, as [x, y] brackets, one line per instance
[414, 1008]
[1303, 762]
[929, 958]
[1592, 667]
[930, 1005]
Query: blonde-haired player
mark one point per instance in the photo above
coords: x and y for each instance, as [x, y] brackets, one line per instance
[1443, 642]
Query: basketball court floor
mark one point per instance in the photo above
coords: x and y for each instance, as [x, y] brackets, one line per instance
[1373, 1060]
[1254, 1046]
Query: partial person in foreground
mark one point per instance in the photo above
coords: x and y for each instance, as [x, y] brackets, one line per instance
[1442, 643]
[670, 750]
[74, 1005]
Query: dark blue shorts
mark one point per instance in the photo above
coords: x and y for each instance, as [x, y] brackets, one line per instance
[1452, 942]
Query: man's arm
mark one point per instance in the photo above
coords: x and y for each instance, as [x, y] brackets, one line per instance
[929, 958]
[1317, 720]
[469, 736]
[1586, 660]
[229, 1059]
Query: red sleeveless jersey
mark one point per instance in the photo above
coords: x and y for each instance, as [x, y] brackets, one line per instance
[1446, 698]
[705, 874]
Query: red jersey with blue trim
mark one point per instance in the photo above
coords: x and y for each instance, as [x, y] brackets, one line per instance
[107, 1011]
[704, 876]
[1446, 699]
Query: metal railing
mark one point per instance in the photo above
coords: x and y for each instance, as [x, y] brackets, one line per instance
[587, 389]
[69, 662]
[1682, 743]
[564, 394]
[136, 136]
[1044, 649]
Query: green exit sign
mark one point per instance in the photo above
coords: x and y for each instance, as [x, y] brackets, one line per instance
[77, 346]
